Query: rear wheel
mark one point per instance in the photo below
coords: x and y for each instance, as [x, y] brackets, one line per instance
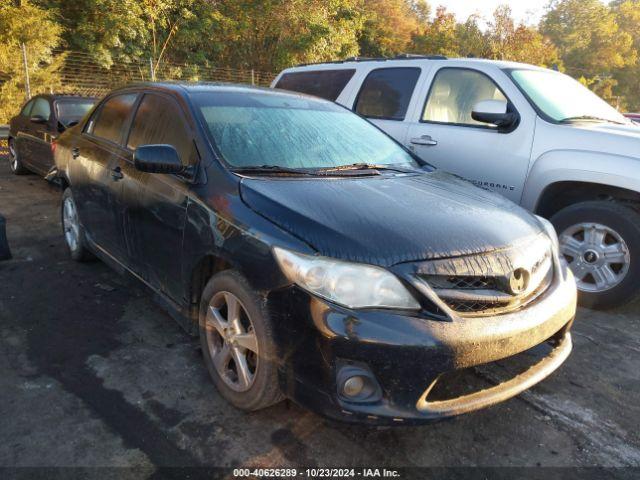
[73, 232]
[601, 242]
[14, 161]
[237, 343]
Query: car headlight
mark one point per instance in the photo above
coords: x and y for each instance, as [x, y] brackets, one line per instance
[349, 284]
[551, 232]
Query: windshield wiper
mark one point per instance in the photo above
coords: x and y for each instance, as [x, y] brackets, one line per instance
[272, 169]
[367, 166]
[588, 117]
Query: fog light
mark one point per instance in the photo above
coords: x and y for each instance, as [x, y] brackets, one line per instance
[353, 386]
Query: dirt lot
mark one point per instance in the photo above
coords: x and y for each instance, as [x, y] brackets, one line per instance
[93, 373]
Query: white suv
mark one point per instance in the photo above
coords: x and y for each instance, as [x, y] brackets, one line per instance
[535, 135]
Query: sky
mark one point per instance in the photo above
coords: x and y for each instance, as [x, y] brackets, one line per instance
[528, 11]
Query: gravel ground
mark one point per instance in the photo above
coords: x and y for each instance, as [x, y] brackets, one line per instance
[94, 374]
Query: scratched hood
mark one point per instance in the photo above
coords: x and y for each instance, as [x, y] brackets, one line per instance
[385, 220]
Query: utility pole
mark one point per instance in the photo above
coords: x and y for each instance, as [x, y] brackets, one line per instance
[152, 72]
[27, 85]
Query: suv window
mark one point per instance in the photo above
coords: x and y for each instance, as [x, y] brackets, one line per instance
[110, 119]
[159, 120]
[386, 93]
[41, 108]
[27, 108]
[327, 84]
[454, 93]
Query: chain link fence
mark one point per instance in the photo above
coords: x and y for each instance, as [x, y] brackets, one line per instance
[79, 73]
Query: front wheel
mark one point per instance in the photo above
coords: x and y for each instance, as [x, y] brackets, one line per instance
[237, 342]
[601, 242]
[14, 160]
[72, 229]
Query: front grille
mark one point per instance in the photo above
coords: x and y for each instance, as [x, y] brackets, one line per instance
[483, 284]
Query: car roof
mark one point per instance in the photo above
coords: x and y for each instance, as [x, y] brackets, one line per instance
[61, 96]
[408, 60]
[187, 88]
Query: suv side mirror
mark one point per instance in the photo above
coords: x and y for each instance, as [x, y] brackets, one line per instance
[495, 112]
[38, 119]
[158, 159]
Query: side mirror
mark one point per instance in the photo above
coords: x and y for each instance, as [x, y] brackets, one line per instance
[494, 112]
[38, 119]
[158, 159]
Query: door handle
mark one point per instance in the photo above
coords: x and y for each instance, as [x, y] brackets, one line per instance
[75, 152]
[116, 173]
[424, 140]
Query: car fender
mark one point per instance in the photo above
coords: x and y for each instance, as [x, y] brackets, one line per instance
[579, 166]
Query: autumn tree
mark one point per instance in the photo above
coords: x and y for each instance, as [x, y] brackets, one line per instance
[389, 26]
[627, 13]
[24, 23]
[439, 36]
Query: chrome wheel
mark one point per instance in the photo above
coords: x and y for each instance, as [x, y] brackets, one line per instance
[13, 156]
[70, 223]
[598, 256]
[232, 342]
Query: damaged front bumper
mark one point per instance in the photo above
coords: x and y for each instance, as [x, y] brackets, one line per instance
[403, 358]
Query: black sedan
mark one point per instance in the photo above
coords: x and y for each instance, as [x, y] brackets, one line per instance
[40, 121]
[315, 257]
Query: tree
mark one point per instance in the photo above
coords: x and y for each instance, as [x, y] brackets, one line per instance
[389, 26]
[518, 43]
[439, 37]
[627, 13]
[17, 21]
[588, 37]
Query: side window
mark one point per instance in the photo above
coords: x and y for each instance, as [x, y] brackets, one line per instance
[110, 119]
[26, 110]
[454, 93]
[41, 108]
[159, 121]
[327, 84]
[386, 93]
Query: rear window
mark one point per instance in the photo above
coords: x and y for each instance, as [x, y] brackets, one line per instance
[110, 119]
[386, 93]
[327, 84]
[70, 111]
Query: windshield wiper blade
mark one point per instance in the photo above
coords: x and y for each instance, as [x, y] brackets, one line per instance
[272, 169]
[367, 166]
[589, 117]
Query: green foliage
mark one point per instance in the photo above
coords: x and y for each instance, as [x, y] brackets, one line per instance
[40, 34]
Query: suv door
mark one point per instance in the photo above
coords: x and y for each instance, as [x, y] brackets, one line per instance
[94, 172]
[155, 205]
[446, 136]
[385, 96]
[32, 134]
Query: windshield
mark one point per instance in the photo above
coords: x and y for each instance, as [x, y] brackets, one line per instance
[256, 129]
[562, 98]
[72, 110]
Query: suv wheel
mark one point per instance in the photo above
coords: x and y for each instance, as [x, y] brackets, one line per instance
[73, 232]
[601, 242]
[237, 343]
[14, 162]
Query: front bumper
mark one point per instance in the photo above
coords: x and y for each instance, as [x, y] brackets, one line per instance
[407, 355]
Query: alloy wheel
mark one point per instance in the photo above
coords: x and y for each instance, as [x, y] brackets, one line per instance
[598, 256]
[232, 342]
[70, 223]
[13, 156]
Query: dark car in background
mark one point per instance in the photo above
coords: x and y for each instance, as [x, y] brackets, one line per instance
[40, 121]
[635, 117]
[316, 258]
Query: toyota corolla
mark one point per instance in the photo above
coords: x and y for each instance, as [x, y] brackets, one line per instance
[315, 257]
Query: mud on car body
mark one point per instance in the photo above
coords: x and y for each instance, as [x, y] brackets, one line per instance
[315, 257]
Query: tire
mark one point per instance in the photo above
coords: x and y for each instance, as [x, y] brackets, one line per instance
[259, 388]
[610, 234]
[72, 229]
[14, 160]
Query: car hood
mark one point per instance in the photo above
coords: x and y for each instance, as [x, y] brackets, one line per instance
[608, 138]
[385, 220]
